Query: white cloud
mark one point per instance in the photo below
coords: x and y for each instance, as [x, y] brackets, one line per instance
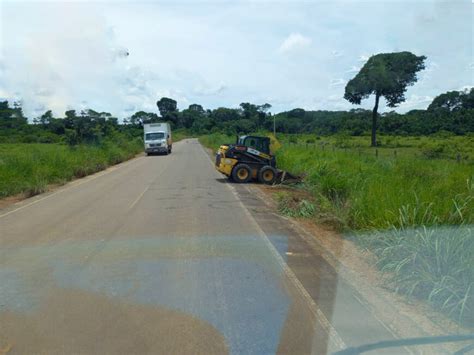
[294, 41]
[209, 91]
[353, 69]
[337, 82]
[416, 102]
[430, 69]
[63, 56]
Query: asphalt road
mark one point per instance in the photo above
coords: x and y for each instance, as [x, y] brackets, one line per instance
[162, 255]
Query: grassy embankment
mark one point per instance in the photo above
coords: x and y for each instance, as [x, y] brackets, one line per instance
[415, 213]
[30, 168]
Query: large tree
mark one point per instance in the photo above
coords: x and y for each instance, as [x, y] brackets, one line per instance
[168, 109]
[141, 117]
[384, 75]
[192, 114]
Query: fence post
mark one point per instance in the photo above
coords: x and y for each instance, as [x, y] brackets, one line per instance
[376, 153]
[395, 153]
[458, 158]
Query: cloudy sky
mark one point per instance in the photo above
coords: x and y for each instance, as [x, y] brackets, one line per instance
[73, 54]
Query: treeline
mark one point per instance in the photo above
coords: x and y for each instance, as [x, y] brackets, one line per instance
[85, 127]
[450, 112]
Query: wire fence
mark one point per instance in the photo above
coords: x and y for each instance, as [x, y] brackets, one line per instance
[394, 153]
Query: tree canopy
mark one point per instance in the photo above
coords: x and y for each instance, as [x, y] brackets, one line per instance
[453, 100]
[384, 75]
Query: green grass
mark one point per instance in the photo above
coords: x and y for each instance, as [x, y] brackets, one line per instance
[430, 263]
[181, 134]
[214, 140]
[413, 212]
[30, 168]
[370, 193]
[440, 147]
[412, 205]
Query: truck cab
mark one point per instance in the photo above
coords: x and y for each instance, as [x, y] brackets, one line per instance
[157, 138]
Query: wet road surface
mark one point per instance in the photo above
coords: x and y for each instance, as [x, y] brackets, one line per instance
[162, 255]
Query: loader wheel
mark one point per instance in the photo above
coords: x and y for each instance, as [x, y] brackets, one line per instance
[267, 175]
[241, 173]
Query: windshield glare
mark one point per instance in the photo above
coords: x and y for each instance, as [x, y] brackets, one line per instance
[236, 177]
[154, 136]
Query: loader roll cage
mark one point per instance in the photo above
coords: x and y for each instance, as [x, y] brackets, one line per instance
[262, 144]
[252, 150]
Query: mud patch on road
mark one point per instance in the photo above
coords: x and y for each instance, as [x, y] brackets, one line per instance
[231, 283]
[91, 323]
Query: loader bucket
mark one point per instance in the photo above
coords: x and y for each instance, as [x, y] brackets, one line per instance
[284, 177]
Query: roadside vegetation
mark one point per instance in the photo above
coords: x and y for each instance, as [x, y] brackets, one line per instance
[54, 151]
[413, 211]
[30, 168]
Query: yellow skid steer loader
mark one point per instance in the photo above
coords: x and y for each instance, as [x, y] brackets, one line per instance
[250, 159]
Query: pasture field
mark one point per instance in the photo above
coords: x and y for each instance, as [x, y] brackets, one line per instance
[440, 146]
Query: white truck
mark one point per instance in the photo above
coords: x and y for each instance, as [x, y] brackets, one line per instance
[157, 137]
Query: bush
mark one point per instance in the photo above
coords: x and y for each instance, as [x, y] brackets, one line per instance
[434, 151]
[30, 138]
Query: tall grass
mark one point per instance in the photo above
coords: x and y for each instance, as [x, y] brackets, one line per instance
[368, 193]
[431, 263]
[214, 140]
[414, 214]
[30, 168]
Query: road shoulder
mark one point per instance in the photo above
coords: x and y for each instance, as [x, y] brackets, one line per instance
[402, 317]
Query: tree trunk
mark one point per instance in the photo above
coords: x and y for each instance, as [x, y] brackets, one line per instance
[374, 120]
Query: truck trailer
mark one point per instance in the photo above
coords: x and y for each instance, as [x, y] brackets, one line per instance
[157, 138]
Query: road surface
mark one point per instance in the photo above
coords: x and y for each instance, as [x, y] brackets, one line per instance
[162, 255]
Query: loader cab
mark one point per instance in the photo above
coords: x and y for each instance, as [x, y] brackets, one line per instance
[261, 144]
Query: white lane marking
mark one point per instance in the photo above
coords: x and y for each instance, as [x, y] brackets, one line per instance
[139, 197]
[72, 184]
[148, 187]
[334, 337]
